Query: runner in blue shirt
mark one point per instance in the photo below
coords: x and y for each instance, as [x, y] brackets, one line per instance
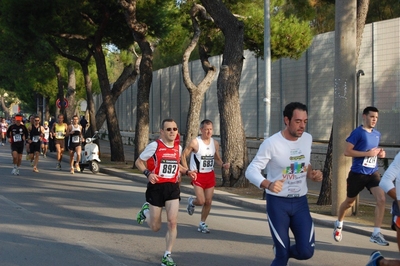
[362, 145]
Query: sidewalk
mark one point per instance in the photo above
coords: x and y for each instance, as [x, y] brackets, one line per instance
[237, 200]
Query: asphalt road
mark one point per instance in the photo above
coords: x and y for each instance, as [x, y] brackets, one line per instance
[55, 218]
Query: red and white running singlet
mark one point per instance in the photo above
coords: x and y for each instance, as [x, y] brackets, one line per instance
[165, 162]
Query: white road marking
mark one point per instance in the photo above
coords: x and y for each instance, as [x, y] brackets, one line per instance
[13, 204]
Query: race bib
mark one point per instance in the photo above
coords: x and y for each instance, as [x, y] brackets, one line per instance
[168, 168]
[75, 139]
[206, 164]
[35, 138]
[370, 162]
[59, 134]
[17, 138]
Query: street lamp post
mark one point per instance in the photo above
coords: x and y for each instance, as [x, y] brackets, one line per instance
[267, 74]
[267, 61]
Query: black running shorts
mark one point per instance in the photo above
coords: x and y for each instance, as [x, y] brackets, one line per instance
[158, 194]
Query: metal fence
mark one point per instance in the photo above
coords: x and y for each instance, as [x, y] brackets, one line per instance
[309, 80]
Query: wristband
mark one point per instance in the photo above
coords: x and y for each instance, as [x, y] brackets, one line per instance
[146, 172]
[269, 185]
[187, 172]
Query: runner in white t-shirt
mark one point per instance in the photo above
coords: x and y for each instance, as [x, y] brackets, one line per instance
[286, 156]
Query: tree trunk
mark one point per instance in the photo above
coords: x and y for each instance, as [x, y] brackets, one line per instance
[84, 63]
[196, 92]
[325, 195]
[143, 94]
[193, 119]
[89, 99]
[60, 86]
[47, 110]
[70, 95]
[233, 139]
[114, 134]
[126, 79]
[139, 31]
[362, 11]
[6, 110]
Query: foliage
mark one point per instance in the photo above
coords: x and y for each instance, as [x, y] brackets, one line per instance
[172, 38]
[293, 24]
[324, 19]
[29, 58]
[27, 28]
[116, 60]
[25, 65]
[169, 50]
[291, 33]
[378, 10]
[382, 10]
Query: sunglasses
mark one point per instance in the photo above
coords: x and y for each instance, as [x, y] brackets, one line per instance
[172, 128]
[37, 120]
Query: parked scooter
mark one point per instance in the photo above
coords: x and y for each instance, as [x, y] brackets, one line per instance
[90, 155]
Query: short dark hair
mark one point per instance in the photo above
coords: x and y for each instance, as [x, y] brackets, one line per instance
[166, 120]
[288, 112]
[205, 122]
[370, 109]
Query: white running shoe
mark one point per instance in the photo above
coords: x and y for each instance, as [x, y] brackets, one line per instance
[379, 239]
[14, 171]
[337, 232]
[190, 206]
[203, 228]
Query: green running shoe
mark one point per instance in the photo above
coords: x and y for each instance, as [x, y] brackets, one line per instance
[167, 261]
[140, 217]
